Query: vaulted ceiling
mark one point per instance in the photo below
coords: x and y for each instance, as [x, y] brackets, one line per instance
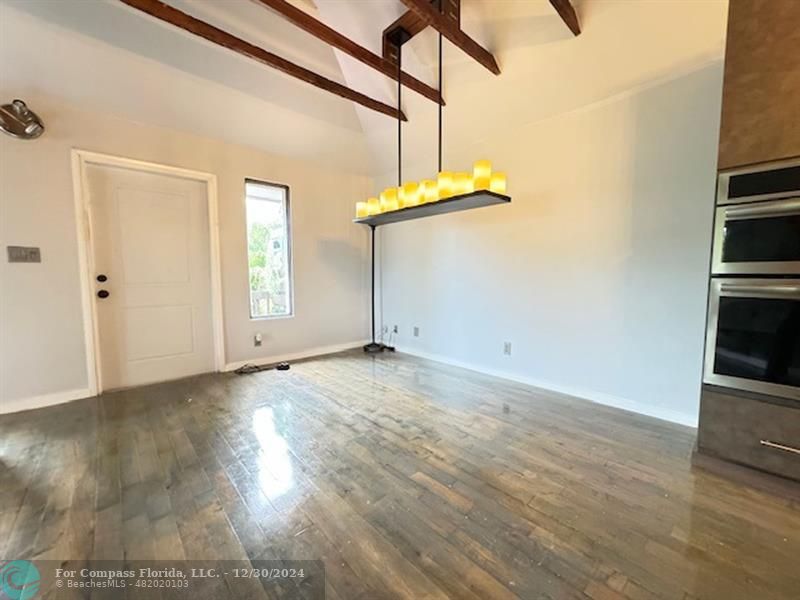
[111, 57]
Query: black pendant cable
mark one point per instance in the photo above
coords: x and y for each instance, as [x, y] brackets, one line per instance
[400, 40]
[441, 95]
[401, 36]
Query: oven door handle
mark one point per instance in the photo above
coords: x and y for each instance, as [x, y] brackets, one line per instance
[777, 208]
[760, 291]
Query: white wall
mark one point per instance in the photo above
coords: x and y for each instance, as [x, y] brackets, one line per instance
[106, 56]
[546, 71]
[42, 355]
[596, 272]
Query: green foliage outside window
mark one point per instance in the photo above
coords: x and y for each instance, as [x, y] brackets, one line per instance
[268, 261]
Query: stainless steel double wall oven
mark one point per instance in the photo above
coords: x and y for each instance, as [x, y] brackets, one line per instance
[753, 337]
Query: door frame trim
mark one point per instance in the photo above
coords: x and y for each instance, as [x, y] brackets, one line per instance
[83, 221]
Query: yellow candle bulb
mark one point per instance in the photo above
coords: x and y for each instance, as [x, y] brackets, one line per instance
[401, 199]
[388, 199]
[401, 196]
[361, 210]
[462, 183]
[373, 206]
[430, 191]
[410, 194]
[445, 184]
[498, 183]
[481, 169]
[482, 174]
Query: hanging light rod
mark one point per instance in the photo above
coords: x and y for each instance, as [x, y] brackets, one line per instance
[217, 36]
[450, 29]
[332, 37]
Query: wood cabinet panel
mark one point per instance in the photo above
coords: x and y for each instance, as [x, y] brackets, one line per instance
[761, 93]
[734, 426]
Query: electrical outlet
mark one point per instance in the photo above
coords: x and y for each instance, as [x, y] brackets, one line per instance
[395, 330]
[416, 331]
[257, 339]
[507, 348]
[385, 329]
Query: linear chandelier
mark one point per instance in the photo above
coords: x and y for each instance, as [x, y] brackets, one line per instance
[447, 185]
[449, 192]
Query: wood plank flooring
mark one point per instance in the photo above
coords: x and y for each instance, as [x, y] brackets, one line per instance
[408, 478]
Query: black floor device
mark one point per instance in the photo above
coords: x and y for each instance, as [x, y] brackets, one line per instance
[248, 368]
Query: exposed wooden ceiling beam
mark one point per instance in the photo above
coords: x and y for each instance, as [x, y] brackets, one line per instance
[567, 13]
[411, 23]
[444, 25]
[330, 36]
[179, 19]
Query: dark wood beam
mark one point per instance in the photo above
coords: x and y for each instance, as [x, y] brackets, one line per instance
[451, 9]
[412, 24]
[179, 19]
[446, 26]
[567, 13]
[330, 36]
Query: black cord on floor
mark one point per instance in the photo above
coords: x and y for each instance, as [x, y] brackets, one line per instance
[250, 368]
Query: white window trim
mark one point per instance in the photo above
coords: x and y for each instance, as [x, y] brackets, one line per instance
[289, 249]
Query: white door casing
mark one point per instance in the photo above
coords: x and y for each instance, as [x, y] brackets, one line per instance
[151, 230]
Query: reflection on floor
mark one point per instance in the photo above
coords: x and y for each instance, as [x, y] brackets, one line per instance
[410, 479]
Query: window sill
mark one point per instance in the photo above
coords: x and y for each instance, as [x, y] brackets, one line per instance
[273, 318]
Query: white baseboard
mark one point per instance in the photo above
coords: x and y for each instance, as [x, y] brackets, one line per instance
[664, 414]
[310, 353]
[12, 406]
[21, 404]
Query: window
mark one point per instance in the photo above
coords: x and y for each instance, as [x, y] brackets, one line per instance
[268, 250]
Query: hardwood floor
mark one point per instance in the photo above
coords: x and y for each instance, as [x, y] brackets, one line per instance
[409, 478]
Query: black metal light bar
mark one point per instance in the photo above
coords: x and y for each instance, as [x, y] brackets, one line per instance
[448, 205]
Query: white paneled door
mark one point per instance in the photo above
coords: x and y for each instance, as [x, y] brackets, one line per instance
[151, 277]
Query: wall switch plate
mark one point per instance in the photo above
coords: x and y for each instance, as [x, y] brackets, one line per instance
[507, 348]
[257, 339]
[24, 254]
[416, 331]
